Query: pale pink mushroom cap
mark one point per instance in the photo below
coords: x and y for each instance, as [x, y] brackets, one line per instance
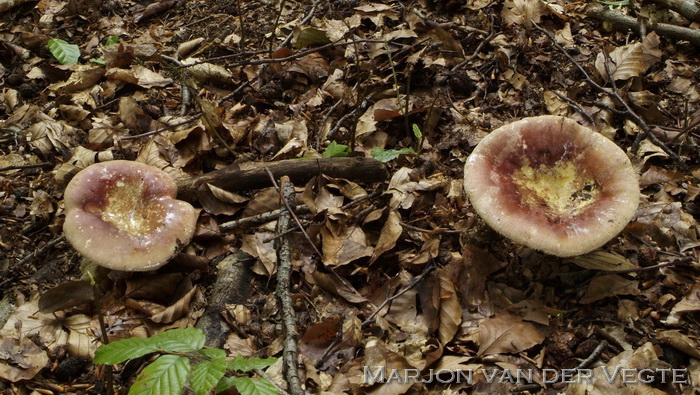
[123, 215]
[551, 184]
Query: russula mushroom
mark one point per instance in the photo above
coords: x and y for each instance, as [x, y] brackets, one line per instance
[551, 184]
[123, 215]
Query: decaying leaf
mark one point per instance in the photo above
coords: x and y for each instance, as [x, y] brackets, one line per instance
[507, 333]
[609, 285]
[21, 359]
[521, 12]
[602, 260]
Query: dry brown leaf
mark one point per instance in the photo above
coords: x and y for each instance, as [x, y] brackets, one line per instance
[66, 295]
[390, 233]
[21, 359]
[689, 303]
[263, 201]
[176, 310]
[507, 333]
[450, 310]
[377, 355]
[602, 260]
[337, 286]
[623, 62]
[608, 285]
[157, 287]
[679, 341]
[344, 245]
[521, 12]
[255, 245]
[81, 336]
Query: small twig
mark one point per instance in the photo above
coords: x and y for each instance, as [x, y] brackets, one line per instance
[280, 60]
[260, 219]
[262, 374]
[283, 291]
[328, 113]
[577, 107]
[390, 299]
[478, 49]
[291, 212]
[30, 166]
[642, 269]
[274, 26]
[338, 124]
[304, 21]
[41, 251]
[330, 348]
[164, 128]
[594, 355]
[607, 336]
[432, 231]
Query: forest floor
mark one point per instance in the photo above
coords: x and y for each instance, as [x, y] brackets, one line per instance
[394, 270]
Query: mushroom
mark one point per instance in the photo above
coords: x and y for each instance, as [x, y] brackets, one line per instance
[123, 215]
[551, 184]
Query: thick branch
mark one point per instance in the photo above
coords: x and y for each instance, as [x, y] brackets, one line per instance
[624, 22]
[232, 178]
[688, 8]
[231, 286]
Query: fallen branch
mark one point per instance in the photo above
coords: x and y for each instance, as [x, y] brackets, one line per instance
[688, 8]
[232, 178]
[284, 272]
[624, 22]
[231, 286]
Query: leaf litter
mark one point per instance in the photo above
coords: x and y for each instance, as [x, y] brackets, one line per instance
[410, 279]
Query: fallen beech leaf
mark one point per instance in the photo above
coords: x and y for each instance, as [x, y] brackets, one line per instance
[337, 286]
[521, 12]
[344, 246]
[66, 295]
[21, 359]
[507, 333]
[602, 260]
[450, 309]
[608, 285]
[680, 342]
[390, 233]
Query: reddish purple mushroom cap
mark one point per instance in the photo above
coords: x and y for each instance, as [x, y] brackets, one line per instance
[551, 184]
[123, 215]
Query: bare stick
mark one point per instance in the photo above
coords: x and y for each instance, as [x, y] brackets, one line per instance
[624, 22]
[232, 178]
[390, 299]
[291, 212]
[284, 272]
[29, 166]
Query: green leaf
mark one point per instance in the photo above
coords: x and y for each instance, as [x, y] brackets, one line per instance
[205, 375]
[179, 340]
[64, 52]
[111, 40]
[248, 364]
[390, 154]
[166, 375]
[335, 150]
[122, 350]
[213, 353]
[248, 386]
[311, 37]
[417, 132]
